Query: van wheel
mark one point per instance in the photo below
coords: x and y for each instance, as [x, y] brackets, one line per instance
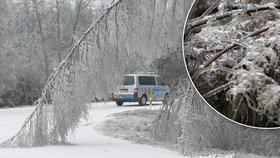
[119, 103]
[143, 100]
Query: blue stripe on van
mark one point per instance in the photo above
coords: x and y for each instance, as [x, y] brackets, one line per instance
[159, 89]
[125, 97]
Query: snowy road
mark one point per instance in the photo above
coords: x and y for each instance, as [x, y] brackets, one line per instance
[87, 142]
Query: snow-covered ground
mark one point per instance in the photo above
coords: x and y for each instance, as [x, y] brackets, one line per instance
[88, 141]
[136, 126]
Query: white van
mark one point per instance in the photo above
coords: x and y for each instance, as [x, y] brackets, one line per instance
[141, 88]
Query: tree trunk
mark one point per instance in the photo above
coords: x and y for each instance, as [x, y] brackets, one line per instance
[79, 7]
[58, 30]
[43, 40]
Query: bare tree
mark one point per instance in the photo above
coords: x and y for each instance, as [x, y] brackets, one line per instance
[80, 5]
[57, 5]
[43, 39]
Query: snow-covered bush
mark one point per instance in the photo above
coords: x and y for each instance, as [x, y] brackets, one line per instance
[234, 61]
[188, 121]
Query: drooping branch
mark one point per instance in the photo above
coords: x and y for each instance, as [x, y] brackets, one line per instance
[75, 46]
[43, 100]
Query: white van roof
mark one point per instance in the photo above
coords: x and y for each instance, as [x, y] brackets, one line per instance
[140, 75]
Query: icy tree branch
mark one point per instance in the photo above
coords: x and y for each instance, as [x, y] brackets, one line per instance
[216, 56]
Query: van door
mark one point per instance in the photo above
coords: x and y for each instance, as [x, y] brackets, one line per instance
[146, 86]
[128, 85]
[160, 89]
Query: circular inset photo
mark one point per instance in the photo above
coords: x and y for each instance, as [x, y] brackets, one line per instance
[232, 54]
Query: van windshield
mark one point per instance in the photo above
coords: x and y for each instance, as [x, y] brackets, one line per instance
[128, 80]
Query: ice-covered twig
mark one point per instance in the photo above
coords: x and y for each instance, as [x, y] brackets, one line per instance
[198, 22]
[206, 69]
[237, 110]
[212, 7]
[257, 32]
[217, 90]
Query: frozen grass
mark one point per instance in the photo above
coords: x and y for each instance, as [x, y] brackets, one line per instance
[137, 126]
[134, 126]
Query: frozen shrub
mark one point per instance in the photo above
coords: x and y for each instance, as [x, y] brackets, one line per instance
[191, 124]
[234, 56]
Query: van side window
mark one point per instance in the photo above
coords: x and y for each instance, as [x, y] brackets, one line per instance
[128, 80]
[160, 82]
[146, 80]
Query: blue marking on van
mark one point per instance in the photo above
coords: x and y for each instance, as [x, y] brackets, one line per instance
[159, 89]
[125, 97]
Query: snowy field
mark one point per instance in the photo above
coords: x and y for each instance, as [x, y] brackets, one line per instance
[88, 141]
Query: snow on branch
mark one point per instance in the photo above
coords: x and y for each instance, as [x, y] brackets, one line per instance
[216, 56]
[64, 98]
[204, 20]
